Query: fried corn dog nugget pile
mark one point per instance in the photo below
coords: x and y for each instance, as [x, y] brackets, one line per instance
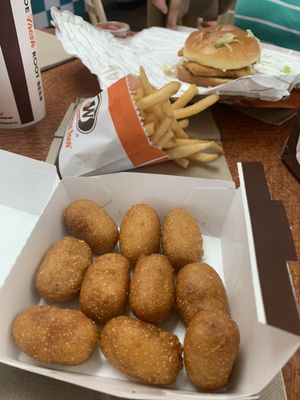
[153, 285]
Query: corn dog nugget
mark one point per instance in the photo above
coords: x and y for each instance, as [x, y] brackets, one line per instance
[105, 287]
[181, 238]
[55, 335]
[86, 220]
[141, 350]
[139, 232]
[211, 347]
[152, 287]
[199, 287]
[61, 271]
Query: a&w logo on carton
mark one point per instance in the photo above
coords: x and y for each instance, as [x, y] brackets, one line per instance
[87, 117]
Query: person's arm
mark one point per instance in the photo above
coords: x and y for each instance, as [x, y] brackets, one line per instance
[175, 10]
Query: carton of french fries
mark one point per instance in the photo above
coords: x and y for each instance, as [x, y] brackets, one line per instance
[133, 124]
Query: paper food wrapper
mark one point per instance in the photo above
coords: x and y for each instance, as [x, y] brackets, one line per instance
[156, 49]
[105, 135]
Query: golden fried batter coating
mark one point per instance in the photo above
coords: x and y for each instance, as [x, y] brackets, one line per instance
[211, 347]
[181, 238]
[152, 287]
[61, 272]
[105, 287]
[141, 350]
[199, 287]
[86, 220]
[55, 335]
[139, 232]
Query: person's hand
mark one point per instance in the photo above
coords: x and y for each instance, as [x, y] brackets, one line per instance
[161, 5]
[176, 10]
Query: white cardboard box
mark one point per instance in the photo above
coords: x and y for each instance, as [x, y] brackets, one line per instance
[240, 241]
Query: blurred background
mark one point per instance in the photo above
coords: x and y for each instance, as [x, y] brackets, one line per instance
[133, 12]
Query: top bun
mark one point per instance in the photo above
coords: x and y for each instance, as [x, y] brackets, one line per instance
[222, 47]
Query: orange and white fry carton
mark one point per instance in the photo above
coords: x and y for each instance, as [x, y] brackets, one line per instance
[106, 134]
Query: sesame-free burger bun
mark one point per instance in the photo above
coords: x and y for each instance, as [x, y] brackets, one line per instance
[201, 47]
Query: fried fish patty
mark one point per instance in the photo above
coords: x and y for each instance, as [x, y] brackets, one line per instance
[202, 70]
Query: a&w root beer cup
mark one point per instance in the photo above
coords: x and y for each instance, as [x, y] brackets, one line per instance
[21, 90]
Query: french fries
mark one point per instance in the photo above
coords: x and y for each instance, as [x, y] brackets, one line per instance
[203, 157]
[164, 123]
[159, 96]
[149, 128]
[187, 150]
[196, 107]
[184, 123]
[165, 139]
[183, 162]
[215, 146]
[183, 100]
[163, 127]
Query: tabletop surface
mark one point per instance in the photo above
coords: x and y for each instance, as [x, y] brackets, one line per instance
[243, 138]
